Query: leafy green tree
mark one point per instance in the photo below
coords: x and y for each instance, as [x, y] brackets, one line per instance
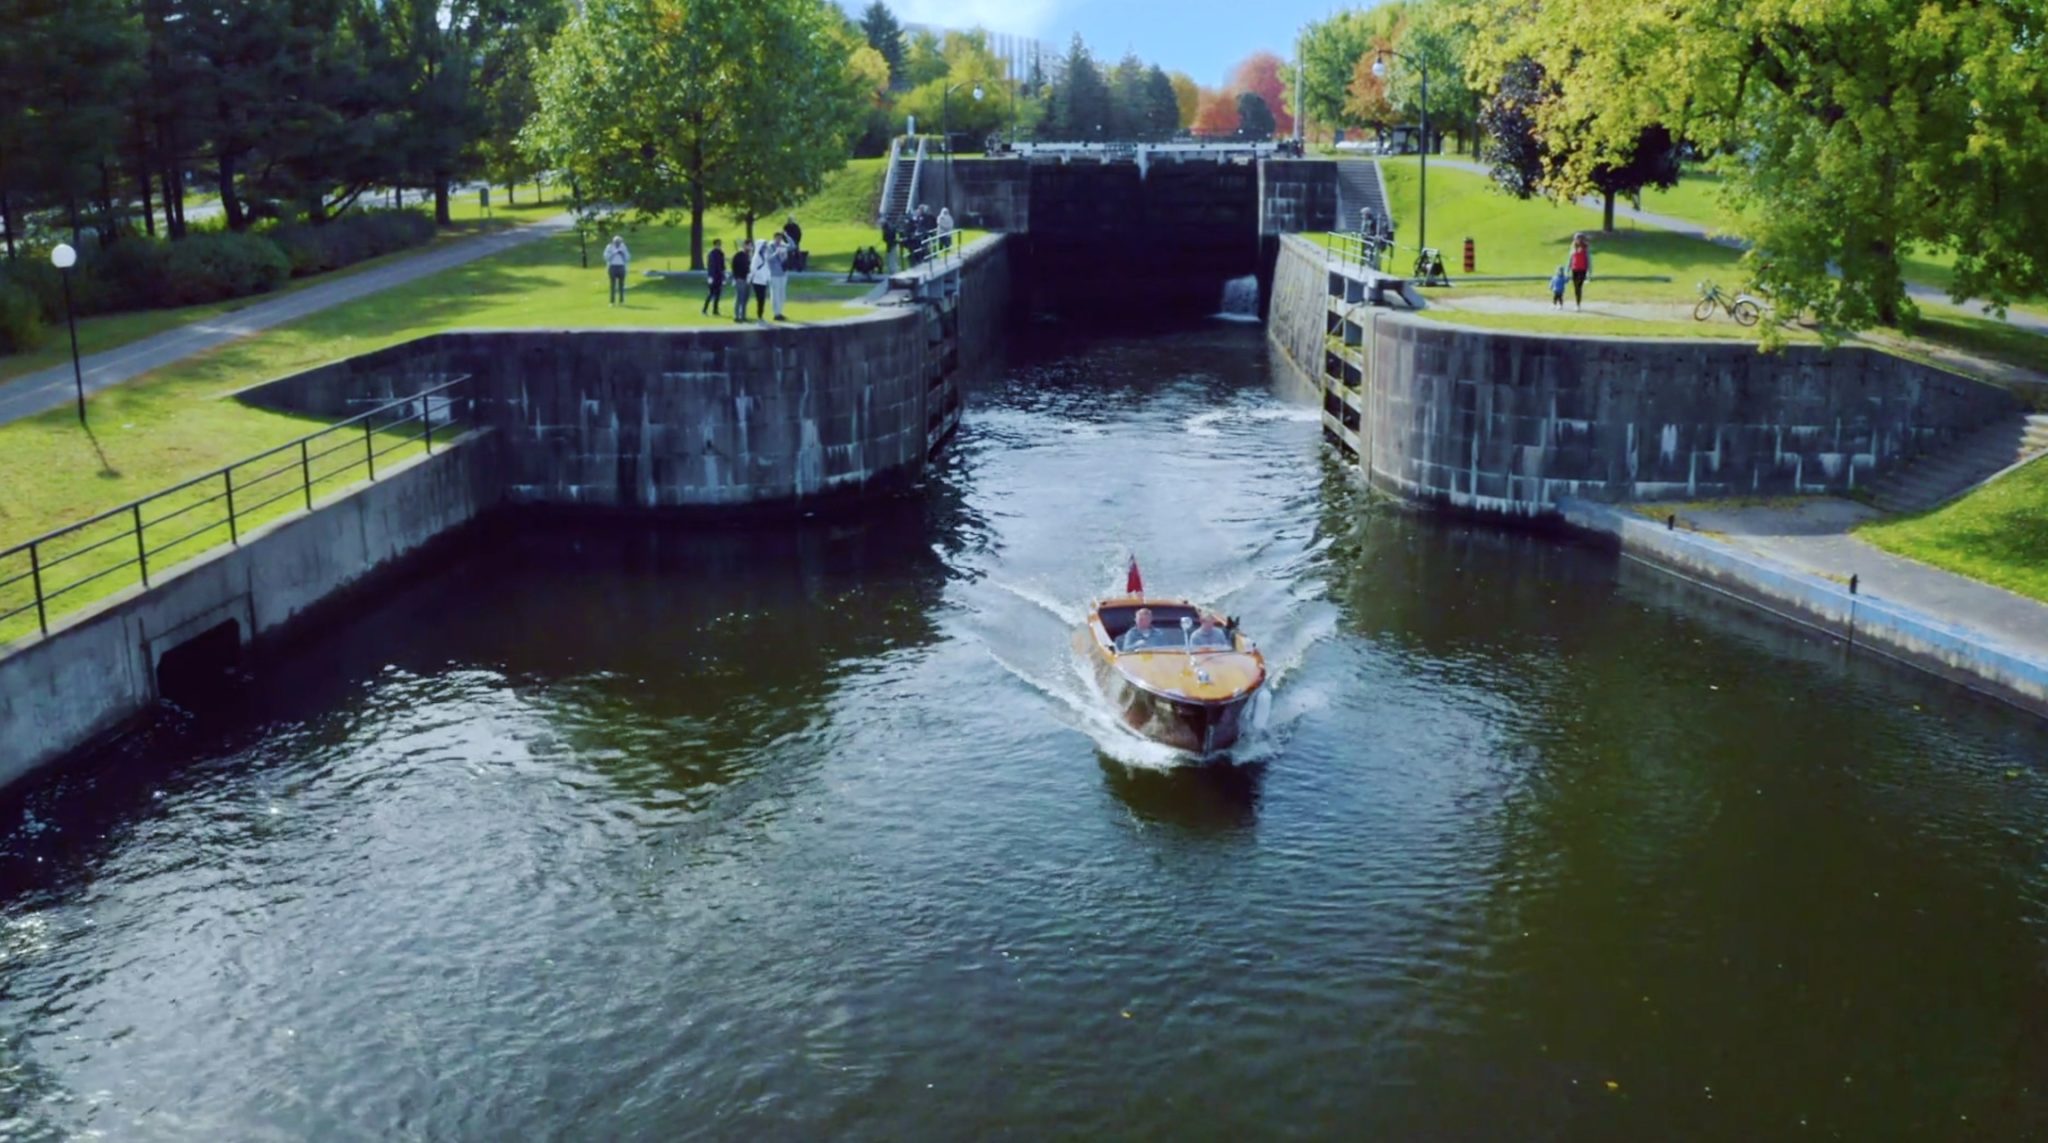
[1850, 133]
[512, 35]
[924, 59]
[878, 25]
[1161, 118]
[1254, 118]
[969, 64]
[666, 108]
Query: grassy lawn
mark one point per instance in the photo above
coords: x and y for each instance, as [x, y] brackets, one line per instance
[111, 331]
[1598, 325]
[171, 425]
[1533, 237]
[1695, 199]
[1997, 534]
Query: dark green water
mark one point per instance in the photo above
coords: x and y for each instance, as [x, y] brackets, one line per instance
[646, 833]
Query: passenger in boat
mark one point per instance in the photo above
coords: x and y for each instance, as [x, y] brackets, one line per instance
[1142, 634]
[1211, 635]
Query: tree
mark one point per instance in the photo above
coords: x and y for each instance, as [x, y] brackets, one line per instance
[1162, 105]
[1849, 135]
[1127, 117]
[1254, 119]
[1080, 98]
[1187, 98]
[739, 103]
[513, 35]
[885, 35]
[1260, 73]
[924, 60]
[1330, 51]
[969, 64]
[1218, 117]
[1507, 125]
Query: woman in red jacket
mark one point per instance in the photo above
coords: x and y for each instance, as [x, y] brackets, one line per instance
[1581, 266]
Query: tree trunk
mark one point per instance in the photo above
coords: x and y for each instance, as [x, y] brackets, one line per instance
[174, 202]
[441, 216]
[71, 208]
[7, 222]
[697, 226]
[511, 194]
[230, 203]
[1607, 214]
[148, 206]
[110, 219]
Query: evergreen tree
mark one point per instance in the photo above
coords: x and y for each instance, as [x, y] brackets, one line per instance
[885, 35]
[1162, 105]
[1081, 99]
[1254, 118]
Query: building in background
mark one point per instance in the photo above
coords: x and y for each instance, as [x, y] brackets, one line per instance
[1018, 53]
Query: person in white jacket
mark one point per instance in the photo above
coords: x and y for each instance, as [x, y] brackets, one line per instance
[780, 254]
[615, 259]
[757, 277]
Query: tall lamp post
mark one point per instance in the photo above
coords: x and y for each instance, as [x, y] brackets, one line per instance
[946, 135]
[1379, 71]
[64, 257]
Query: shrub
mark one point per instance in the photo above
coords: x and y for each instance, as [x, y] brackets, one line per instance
[44, 284]
[21, 319]
[214, 267]
[352, 238]
[132, 274]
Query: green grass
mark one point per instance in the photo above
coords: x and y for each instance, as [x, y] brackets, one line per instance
[1533, 238]
[1997, 534]
[112, 331]
[172, 424]
[1695, 199]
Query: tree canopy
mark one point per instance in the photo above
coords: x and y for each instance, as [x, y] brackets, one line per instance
[667, 107]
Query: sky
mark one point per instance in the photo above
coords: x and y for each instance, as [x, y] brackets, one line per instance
[1201, 37]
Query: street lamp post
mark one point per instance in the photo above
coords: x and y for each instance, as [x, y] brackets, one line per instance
[1379, 71]
[64, 257]
[946, 135]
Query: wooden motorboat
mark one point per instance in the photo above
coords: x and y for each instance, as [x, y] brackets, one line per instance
[1188, 697]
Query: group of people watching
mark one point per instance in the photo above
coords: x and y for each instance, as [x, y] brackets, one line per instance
[1210, 634]
[760, 268]
[921, 235]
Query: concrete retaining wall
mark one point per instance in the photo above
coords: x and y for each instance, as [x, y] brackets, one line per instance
[1297, 195]
[699, 418]
[1956, 653]
[98, 669]
[1507, 423]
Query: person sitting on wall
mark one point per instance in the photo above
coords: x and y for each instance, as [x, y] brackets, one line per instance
[1142, 635]
[1210, 635]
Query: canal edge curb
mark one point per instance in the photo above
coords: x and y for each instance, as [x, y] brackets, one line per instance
[1961, 654]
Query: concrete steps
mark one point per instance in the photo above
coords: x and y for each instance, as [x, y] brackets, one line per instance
[1358, 188]
[902, 183]
[1932, 480]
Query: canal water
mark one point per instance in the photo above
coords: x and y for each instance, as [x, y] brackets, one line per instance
[623, 832]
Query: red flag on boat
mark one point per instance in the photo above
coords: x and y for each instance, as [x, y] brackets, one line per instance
[1134, 584]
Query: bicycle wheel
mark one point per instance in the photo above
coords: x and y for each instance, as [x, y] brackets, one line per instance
[1747, 312]
[1704, 310]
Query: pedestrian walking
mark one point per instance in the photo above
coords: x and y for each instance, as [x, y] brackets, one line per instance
[889, 241]
[1557, 281]
[1581, 264]
[945, 228]
[758, 278]
[615, 259]
[779, 257]
[714, 278]
[742, 270]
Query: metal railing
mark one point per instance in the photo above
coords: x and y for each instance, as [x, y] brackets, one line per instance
[1357, 248]
[195, 517]
[935, 249]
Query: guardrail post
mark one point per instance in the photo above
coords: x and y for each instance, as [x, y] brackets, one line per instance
[227, 476]
[369, 449]
[141, 548]
[427, 419]
[306, 473]
[35, 575]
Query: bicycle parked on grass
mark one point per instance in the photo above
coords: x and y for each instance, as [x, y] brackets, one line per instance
[1743, 308]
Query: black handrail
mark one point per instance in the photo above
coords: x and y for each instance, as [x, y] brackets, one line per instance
[418, 407]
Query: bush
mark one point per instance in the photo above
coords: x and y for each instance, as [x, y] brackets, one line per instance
[354, 237]
[214, 267]
[132, 274]
[21, 319]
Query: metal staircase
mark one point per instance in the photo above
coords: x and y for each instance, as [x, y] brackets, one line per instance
[906, 167]
[1358, 189]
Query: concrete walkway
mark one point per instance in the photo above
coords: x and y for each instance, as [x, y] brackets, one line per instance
[1813, 537]
[54, 387]
[1923, 294]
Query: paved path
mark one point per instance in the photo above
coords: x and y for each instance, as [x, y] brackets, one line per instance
[1925, 295]
[1814, 536]
[36, 392]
